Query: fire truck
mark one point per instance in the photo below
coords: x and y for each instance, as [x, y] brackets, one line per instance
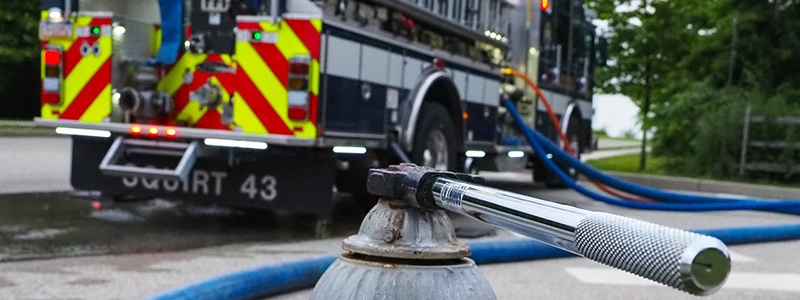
[274, 104]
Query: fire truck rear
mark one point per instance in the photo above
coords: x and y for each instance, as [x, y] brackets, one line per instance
[267, 104]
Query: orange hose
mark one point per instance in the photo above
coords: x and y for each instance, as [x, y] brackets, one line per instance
[563, 137]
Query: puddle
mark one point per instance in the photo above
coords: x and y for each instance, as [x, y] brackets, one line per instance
[41, 234]
[53, 225]
[116, 215]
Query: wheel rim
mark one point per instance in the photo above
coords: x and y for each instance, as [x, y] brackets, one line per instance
[436, 150]
[573, 143]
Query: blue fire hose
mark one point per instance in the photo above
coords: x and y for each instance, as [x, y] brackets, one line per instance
[281, 278]
[676, 201]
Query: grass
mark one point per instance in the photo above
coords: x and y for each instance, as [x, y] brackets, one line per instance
[630, 164]
[656, 166]
[604, 135]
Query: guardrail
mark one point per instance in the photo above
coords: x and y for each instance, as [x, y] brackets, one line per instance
[747, 144]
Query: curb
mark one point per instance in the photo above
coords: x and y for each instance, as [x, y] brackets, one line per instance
[17, 123]
[708, 186]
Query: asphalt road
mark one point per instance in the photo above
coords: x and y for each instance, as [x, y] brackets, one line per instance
[135, 250]
[38, 164]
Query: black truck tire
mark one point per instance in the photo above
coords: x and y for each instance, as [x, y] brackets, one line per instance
[435, 138]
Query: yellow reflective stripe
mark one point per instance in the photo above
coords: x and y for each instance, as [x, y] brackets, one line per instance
[65, 43]
[174, 78]
[289, 44]
[313, 80]
[317, 23]
[267, 26]
[315, 68]
[84, 71]
[100, 108]
[83, 21]
[226, 97]
[248, 60]
[47, 112]
[264, 79]
[309, 130]
[245, 118]
[155, 39]
[189, 112]
[192, 112]
[173, 81]
[226, 59]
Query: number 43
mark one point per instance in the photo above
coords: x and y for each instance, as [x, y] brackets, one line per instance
[266, 189]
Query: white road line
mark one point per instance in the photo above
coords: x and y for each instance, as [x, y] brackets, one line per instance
[783, 282]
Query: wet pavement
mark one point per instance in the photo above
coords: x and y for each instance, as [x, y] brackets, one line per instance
[34, 164]
[60, 246]
[53, 225]
[141, 249]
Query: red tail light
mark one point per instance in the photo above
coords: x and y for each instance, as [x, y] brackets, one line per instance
[298, 67]
[171, 132]
[51, 79]
[298, 113]
[52, 57]
[136, 130]
[153, 131]
[298, 87]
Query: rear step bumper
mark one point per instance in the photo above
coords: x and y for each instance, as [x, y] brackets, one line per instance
[185, 132]
[186, 151]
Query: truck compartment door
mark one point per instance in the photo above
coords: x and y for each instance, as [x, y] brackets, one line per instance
[277, 76]
[76, 66]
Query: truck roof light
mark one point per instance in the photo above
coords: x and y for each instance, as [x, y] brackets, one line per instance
[55, 14]
[135, 130]
[153, 131]
[171, 132]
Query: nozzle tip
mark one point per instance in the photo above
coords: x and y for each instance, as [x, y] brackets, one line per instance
[705, 266]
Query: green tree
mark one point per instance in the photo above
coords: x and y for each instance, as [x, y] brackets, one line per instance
[19, 24]
[647, 39]
[19, 58]
[702, 62]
